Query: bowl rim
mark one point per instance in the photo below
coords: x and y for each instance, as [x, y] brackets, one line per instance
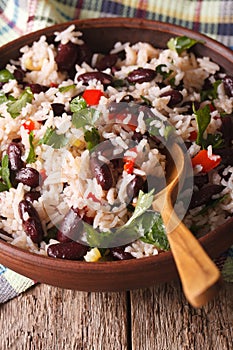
[7, 251]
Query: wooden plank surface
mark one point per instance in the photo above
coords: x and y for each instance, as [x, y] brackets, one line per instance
[47, 318]
[163, 320]
[158, 318]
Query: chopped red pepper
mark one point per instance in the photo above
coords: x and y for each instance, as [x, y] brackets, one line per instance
[129, 162]
[92, 96]
[207, 163]
[129, 166]
[29, 125]
[53, 85]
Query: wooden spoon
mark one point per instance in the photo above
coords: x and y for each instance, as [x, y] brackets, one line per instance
[199, 275]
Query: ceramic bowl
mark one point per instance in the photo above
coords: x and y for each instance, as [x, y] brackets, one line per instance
[101, 34]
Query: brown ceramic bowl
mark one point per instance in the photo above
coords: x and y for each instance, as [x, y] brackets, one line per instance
[101, 34]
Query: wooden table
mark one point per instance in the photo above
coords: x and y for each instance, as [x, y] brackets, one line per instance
[158, 318]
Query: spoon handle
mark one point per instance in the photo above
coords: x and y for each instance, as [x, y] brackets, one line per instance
[199, 276]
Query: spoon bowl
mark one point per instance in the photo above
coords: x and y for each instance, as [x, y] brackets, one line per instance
[198, 274]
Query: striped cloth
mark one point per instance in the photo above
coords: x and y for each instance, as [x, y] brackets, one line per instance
[17, 17]
[211, 17]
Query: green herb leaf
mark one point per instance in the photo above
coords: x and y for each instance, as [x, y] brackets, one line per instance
[159, 70]
[211, 94]
[85, 117]
[3, 97]
[203, 119]
[3, 187]
[51, 234]
[15, 107]
[212, 204]
[92, 137]
[156, 234]
[143, 203]
[134, 228]
[31, 158]
[146, 100]
[5, 75]
[51, 138]
[118, 83]
[66, 88]
[215, 140]
[77, 104]
[182, 43]
[5, 172]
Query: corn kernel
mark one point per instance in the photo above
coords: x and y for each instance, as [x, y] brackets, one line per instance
[29, 64]
[93, 255]
[79, 144]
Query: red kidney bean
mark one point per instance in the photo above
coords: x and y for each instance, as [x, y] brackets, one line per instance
[67, 250]
[32, 196]
[84, 54]
[14, 152]
[28, 176]
[226, 155]
[19, 74]
[37, 88]
[228, 85]
[118, 253]
[102, 173]
[67, 55]
[107, 61]
[104, 78]
[204, 195]
[32, 226]
[200, 180]
[70, 227]
[141, 75]
[227, 129]
[135, 186]
[58, 108]
[175, 97]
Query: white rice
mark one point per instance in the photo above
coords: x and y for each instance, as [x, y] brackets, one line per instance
[70, 165]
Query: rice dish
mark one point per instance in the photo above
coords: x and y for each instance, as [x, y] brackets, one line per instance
[82, 139]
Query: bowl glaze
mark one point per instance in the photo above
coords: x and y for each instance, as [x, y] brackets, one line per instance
[101, 34]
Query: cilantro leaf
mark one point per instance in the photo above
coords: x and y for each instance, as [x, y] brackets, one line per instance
[156, 233]
[133, 229]
[203, 119]
[85, 117]
[5, 172]
[77, 104]
[92, 137]
[3, 187]
[143, 203]
[215, 140]
[212, 204]
[163, 73]
[31, 158]
[211, 94]
[146, 100]
[51, 138]
[3, 97]
[5, 76]
[15, 107]
[182, 43]
[66, 88]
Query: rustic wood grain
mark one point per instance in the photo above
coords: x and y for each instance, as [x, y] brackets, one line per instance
[158, 318]
[162, 319]
[47, 318]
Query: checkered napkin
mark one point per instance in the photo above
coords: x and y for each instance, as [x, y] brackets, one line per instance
[211, 17]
